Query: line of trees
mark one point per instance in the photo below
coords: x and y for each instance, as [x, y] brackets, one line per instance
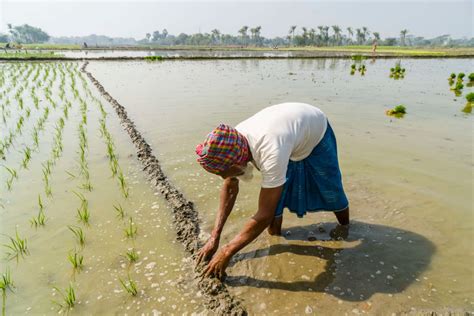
[24, 34]
[246, 36]
[322, 35]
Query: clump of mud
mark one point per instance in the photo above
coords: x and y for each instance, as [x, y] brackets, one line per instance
[216, 296]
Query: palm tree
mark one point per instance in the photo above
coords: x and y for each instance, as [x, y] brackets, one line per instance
[292, 32]
[305, 35]
[243, 33]
[359, 36]
[376, 35]
[403, 35]
[216, 34]
[337, 34]
[326, 34]
[365, 32]
[148, 35]
[312, 36]
[350, 32]
[257, 34]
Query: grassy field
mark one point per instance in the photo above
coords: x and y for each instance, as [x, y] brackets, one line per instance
[405, 51]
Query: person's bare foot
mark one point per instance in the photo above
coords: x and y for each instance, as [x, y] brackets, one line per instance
[340, 232]
[275, 227]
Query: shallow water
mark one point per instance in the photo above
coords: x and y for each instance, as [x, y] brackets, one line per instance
[161, 271]
[409, 180]
[188, 53]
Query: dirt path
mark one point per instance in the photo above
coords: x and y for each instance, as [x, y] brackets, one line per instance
[186, 220]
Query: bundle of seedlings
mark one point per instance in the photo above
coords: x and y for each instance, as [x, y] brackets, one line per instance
[397, 72]
[470, 103]
[458, 85]
[398, 111]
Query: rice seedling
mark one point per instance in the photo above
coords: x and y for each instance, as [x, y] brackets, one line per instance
[6, 283]
[120, 211]
[123, 184]
[18, 247]
[129, 285]
[131, 255]
[38, 220]
[79, 234]
[13, 175]
[76, 259]
[40, 204]
[461, 76]
[398, 111]
[71, 175]
[131, 229]
[83, 213]
[68, 298]
[87, 185]
[26, 158]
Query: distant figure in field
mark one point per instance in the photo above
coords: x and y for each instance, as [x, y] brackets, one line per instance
[84, 45]
[294, 148]
[374, 47]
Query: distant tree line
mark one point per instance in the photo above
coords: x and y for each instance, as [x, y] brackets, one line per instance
[246, 36]
[320, 36]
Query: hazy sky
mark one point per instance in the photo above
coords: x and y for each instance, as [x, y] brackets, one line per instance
[134, 19]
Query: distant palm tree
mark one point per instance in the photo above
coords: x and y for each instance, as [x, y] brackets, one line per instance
[148, 35]
[216, 35]
[376, 35]
[305, 35]
[326, 34]
[312, 36]
[403, 35]
[257, 34]
[243, 33]
[359, 36]
[366, 33]
[292, 32]
[350, 32]
[337, 34]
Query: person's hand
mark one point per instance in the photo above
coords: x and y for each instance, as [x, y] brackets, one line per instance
[208, 250]
[218, 264]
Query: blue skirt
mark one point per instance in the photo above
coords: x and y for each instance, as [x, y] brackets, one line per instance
[314, 183]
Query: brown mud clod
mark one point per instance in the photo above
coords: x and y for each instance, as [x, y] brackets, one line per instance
[216, 296]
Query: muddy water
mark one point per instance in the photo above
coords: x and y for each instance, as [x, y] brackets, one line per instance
[409, 180]
[161, 271]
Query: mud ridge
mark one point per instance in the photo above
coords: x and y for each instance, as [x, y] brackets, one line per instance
[186, 221]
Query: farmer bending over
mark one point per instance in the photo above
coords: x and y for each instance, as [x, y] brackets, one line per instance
[294, 147]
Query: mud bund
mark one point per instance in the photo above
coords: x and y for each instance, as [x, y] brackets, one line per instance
[186, 220]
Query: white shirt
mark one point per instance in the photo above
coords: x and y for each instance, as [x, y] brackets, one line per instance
[280, 133]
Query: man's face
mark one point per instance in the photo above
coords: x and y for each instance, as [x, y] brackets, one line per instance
[232, 172]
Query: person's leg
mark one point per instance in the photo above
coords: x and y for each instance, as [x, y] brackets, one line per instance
[341, 231]
[343, 216]
[275, 226]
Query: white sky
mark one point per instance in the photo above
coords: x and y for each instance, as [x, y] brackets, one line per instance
[135, 19]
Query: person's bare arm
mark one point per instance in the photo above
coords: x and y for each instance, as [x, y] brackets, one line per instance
[227, 197]
[267, 203]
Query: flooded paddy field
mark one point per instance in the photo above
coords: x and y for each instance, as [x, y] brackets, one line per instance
[67, 168]
[409, 180]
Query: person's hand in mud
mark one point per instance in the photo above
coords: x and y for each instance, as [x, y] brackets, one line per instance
[208, 250]
[218, 264]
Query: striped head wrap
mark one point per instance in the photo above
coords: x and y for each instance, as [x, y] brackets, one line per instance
[223, 147]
